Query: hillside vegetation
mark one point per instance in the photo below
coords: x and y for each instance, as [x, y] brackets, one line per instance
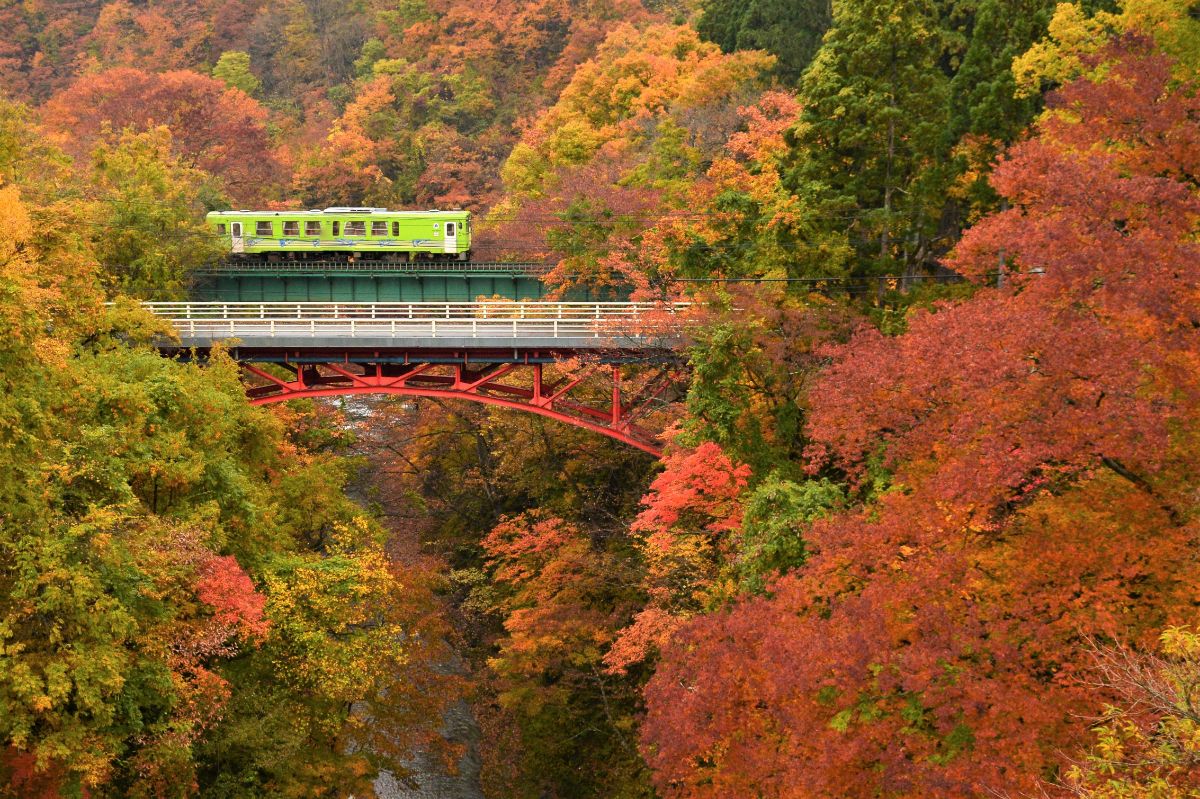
[926, 525]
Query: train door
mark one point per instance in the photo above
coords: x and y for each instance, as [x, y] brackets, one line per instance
[235, 233]
[451, 237]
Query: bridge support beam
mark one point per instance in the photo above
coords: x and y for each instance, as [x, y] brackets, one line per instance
[591, 396]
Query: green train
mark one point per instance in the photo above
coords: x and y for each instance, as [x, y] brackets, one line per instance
[345, 234]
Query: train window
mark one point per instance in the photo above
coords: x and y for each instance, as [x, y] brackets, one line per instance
[312, 228]
[396, 229]
[379, 228]
[291, 228]
[336, 227]
[262, 228]
[236, 229]
[220, 228]
[449, 228]
[356, 228]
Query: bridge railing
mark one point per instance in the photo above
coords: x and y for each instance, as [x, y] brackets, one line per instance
[412, 319]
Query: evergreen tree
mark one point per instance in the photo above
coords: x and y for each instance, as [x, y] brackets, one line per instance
[982, 38]
[983, 92]
[869, 147]
[791, 30]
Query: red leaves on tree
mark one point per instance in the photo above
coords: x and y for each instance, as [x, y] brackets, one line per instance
[219, 129]
[236, 604]
[1038, 442]
[1088, 363]
[1132, 116]
[685, 526]
[20, 776]
[698, 489]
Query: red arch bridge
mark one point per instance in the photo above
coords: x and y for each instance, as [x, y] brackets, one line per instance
[494, 353]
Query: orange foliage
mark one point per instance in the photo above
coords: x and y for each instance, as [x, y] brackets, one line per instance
[217, 128]
[124, 35]
[557, 613]
[517, 40]
[1026, 464]
[686, 527]
[228, 590]
[697, 489]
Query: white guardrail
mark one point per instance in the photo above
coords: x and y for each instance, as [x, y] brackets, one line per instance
[534, 319]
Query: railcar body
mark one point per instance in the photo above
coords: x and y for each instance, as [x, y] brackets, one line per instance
[349, 234]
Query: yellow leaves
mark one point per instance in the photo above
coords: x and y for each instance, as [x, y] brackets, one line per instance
[335, 627]
[524, 173]
[1180, 642]
[1073, 36]
[1148, 745]
[636, 78]
[1172, 24]
[104, 644]
[19, 270]
[361, 531]
[574, 142]
[15, 225]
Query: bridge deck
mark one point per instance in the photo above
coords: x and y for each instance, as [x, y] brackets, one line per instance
[492, 353]
[309, 326]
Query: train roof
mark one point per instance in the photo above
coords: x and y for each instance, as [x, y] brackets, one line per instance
[340, 211]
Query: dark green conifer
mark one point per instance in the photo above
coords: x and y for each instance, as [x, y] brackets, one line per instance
[791, 30]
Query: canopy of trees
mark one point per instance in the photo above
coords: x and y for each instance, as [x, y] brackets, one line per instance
[926, 523]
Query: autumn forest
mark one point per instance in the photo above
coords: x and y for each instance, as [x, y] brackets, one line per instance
[926, 524]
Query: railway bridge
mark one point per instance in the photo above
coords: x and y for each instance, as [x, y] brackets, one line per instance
[479, 331]
[602, 366]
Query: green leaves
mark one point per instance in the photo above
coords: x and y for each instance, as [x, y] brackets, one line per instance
[148, 231]
[790, 30]
[149, 514]
[906, 107]
[871, 132]
[777, 512]
[233, 67]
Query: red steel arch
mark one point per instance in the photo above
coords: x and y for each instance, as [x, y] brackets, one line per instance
[485, 384]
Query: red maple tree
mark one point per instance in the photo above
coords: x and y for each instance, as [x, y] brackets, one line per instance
[225, 587]
[1025, 465]
[215, 127]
